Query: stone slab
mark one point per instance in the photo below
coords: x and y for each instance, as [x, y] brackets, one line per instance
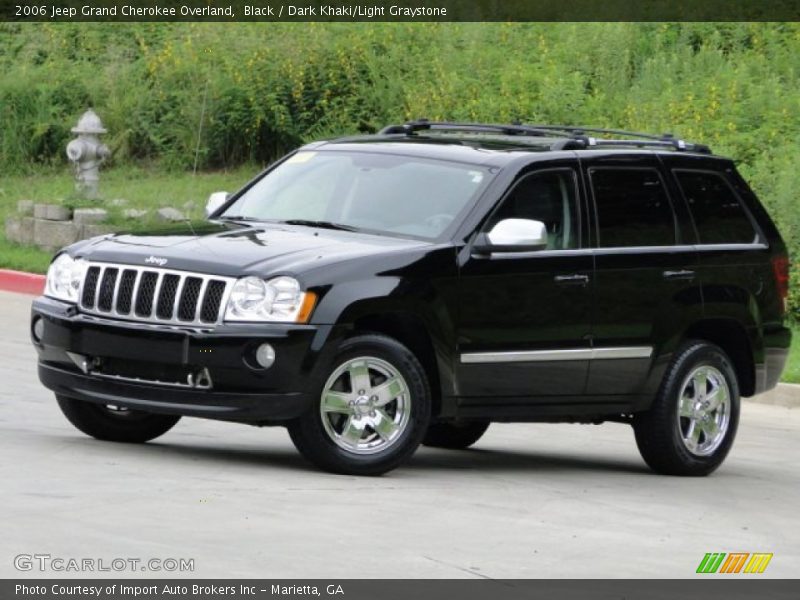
[52, 212]
[20, 230]
[52, 235]
[83, 216]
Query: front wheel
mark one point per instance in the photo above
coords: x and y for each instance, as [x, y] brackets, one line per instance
[115, 423]
[372, 410]
[692, 424]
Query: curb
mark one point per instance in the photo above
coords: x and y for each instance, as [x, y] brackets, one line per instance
[784, 394]
[21, 282]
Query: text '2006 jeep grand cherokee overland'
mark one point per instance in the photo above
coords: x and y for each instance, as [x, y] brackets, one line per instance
[377, 292]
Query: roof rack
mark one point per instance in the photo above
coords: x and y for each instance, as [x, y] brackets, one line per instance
[571, 137]
[412, 127]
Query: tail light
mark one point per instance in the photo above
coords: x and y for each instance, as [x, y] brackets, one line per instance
[780, 268]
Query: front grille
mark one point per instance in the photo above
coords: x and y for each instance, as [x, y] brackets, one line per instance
[153, 295]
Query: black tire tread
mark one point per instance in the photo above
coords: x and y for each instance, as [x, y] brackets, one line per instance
[455, 436]
[91, 420]
[654, 429]
[312, 442]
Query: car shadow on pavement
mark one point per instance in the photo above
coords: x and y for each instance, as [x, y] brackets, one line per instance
[479, 459]
[245, 456]
[429, 459]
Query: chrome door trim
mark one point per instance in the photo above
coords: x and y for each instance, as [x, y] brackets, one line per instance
[558, 355]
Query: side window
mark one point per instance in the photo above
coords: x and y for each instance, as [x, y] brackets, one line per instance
[718, 214]
[549, 197]
[632, 208]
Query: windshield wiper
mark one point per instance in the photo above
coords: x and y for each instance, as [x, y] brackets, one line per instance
[321, 224]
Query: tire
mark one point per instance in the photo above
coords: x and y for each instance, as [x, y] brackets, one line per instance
[114, 424]
[357, 427]
[455, 436]
[695, 385]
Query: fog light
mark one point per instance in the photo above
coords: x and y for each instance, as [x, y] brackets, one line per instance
[265, 355]
[38, 329]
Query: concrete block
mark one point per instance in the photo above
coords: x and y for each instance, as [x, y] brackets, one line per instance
[52, 235]
[83, 216]
[118, 202]
[19, 230]
[134, 213]
[90, 230]
[169, 214]
[51, 212]
[25, 207]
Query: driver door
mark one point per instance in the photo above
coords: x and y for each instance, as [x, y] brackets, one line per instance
[525, 317]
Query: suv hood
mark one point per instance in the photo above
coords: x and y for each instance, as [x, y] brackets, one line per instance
[233, 250]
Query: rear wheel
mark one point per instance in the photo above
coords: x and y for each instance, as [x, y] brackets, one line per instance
[372, 411]
[114, 423]
[692, 424]
[455, 436]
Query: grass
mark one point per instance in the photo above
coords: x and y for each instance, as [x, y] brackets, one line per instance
[792, 372]
[142, 188]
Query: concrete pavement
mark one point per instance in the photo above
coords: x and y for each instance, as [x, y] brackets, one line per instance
[527, 501]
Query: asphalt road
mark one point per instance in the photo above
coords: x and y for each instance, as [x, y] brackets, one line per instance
[527, 501]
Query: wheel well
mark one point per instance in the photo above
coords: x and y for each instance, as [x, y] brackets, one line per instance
[732, 338]
[410, 331]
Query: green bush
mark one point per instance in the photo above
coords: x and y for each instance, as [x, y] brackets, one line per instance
[224, 94]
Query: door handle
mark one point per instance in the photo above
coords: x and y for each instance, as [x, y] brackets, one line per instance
[682, 274]
[575, 279]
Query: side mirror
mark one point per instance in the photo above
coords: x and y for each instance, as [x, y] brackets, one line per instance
[513, 235]
[215, 200]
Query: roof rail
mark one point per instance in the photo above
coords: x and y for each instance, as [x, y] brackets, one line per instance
[583, 143]
[665, 139]
[411, 127]
[574, 137]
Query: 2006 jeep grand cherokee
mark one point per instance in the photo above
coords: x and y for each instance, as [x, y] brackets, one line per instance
[377, 292]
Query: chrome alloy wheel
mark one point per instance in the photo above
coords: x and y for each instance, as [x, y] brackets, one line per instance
[365, 405]
[704, 411]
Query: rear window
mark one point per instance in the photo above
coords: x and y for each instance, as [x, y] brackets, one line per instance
[632, 208]
[718, 213]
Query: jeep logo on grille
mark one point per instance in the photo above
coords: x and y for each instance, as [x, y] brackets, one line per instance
[155, 260]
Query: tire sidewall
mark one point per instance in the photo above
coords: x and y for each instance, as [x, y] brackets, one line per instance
[702, 355]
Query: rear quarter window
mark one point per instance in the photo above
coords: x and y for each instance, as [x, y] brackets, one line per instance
[716, 209]
[632, 208]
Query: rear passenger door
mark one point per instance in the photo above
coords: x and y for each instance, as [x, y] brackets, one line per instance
[733, 255]
[645, 280]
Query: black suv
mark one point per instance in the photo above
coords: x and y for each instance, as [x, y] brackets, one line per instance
[377, 292]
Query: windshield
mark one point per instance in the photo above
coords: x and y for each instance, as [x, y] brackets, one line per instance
[383, 193]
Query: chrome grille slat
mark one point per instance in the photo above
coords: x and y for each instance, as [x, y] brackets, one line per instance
[200, 297]
[135, 293]
[177, 301]
[156, 296]
[149, 295]
[117, 284]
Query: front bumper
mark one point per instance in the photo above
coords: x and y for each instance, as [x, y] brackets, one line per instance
[239, 390]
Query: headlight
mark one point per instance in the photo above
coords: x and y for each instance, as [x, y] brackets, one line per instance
[64, 278]
[279, 300]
